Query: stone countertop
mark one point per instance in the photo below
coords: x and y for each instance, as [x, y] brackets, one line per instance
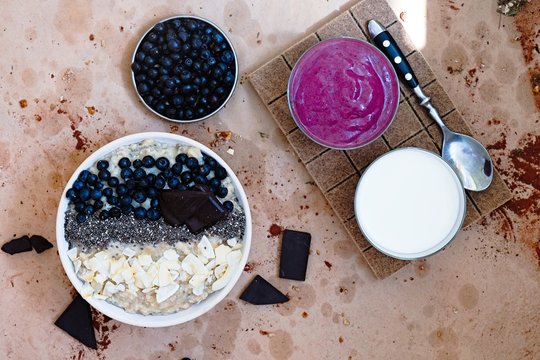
[476, 299]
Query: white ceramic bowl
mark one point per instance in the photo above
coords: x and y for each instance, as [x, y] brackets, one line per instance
[114, 311]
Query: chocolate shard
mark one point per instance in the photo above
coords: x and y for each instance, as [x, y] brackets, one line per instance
[39, 243]
[76, 320]
[198, 209]
[208, 213]
[294, 255]
[18, 245]
[261, 292]
[177, 206]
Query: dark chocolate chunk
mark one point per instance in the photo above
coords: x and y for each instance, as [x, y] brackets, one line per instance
[18, 245]
[76, 320]
[39, 243]
[294, 255]
[198, 209]
[261, 292]
[208, 213]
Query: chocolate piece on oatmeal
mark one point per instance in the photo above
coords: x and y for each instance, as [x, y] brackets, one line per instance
[261, 292]
[294, 255]
[76, 320]
[18, 245]
[197, 209]
[39, 243]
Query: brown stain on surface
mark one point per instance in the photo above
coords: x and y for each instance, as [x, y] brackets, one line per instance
[443, 337]
[254, 347]
[72, 19]
[326, 310]
[345, 249]
[468, 296]
[29, 77]
[5, 155]
[281, 345]
[223, 323]
[238, 20]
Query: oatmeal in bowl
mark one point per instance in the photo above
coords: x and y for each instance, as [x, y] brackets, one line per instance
[153, 229]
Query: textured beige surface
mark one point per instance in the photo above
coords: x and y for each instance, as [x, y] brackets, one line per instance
[478, 299]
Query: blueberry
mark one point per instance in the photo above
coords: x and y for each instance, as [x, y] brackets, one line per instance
[181, 158]
[150, 179]
[200, 111]
[199, 179]
[169, 84]
[113, 181]
[185, 76]
[197, 81]
[173, 182]
[151, 192]
[115, 212]
[156, 92]
[113, 200]
[96, 194]
[142, 183]
[104, 174]
[103, 215]
[131, 184]
[84, 194]
[160, 108]
[160, 28]
[192, 25]
[170, 113]
[98, 204]
[153, 52]
[146, 46]
[141, 78]
[152, 37]
[183, 36]
[191, 100]
[102, 164]
[205, 169]
[167, 174]
[220, 91]
[229, 77]
[128, 209]
[182, 187]
[178, 69]
[99, 186]
[125, 200]
[222, 192]
[88, 210]
[162, 163]
[78, 185]
[192, 163]
[205, 54]
[122, 189]
[154, 203]
[213, 100]
[211, 61]
[79, 206]
[187, 89]
[137, 163]
[173, 45]
[139, 197]
[229, 205]
[197, 66]
[81, 218]
[108, 192]
[160, 182]
[149, 61]
[71, 194]
[177, 100]
[188, 62]
[136, 67]
[215, 183]
[166, 62]
[205, 91]
[124, 163]
[140, 213]
[152, 214]
[196, 43]
[227, 56]
[218, 38]
[143, 88]
[177, 168]
[83, 175]
[220, 172]
[92, 179]
[139, 174]
[153, 73]
[186, 177]
[126, 173]
[148, 161]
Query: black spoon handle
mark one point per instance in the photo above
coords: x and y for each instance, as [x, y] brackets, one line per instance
[386, 43]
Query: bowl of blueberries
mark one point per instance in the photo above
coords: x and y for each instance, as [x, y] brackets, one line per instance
[184, 69]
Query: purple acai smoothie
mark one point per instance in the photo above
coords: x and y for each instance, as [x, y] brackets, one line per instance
[343, 93]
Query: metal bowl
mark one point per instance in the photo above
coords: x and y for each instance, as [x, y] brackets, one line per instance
[210, 23]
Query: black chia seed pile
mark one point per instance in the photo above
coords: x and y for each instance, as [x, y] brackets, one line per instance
[97, 234]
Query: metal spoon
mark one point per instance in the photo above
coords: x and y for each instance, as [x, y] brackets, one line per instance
[464, 154]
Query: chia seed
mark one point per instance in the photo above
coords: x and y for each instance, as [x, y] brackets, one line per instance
[98, 234]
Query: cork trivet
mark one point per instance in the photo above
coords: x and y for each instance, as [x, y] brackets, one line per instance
[335, 172]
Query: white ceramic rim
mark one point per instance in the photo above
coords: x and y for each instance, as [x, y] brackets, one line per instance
[395, 77]
[443, 243]
[235, 71]
[114, 311]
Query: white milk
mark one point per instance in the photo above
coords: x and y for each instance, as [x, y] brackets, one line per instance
[409, 203]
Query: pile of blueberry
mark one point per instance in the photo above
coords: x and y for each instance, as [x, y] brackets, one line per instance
[184, 68]
[136, 191]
